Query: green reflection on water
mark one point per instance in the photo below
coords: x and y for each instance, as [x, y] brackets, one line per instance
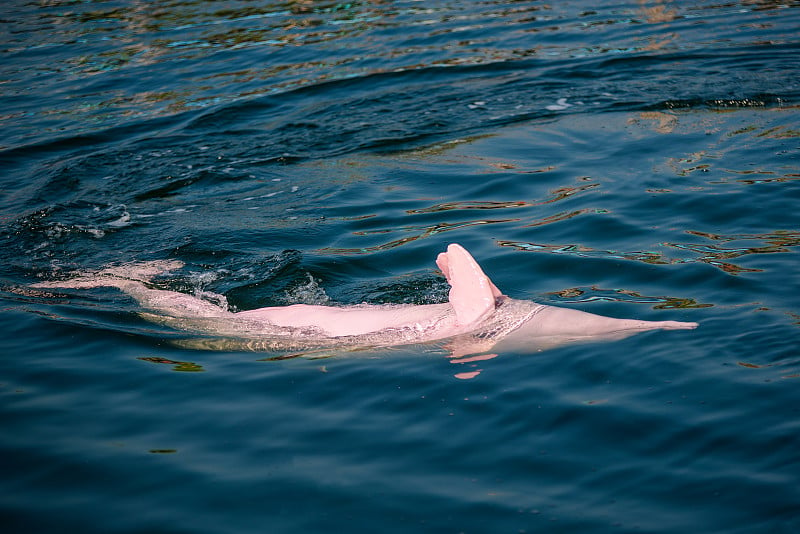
[188, 367]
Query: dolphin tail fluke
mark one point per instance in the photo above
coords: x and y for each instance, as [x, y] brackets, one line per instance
[472, 294]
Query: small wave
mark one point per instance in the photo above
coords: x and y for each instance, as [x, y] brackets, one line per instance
[55, 225]
[711, 254]
[594, 294]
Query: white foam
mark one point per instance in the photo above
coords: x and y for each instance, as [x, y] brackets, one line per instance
[560, 105]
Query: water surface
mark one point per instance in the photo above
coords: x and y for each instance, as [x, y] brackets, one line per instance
[629, 159]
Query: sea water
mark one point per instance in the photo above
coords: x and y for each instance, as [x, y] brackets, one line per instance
[635, 159]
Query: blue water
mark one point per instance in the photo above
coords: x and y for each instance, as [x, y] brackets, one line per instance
[629, 159]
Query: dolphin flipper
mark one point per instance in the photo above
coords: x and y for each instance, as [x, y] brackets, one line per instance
[472, 295]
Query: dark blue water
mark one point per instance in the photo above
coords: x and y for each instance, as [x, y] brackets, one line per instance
[632, 159]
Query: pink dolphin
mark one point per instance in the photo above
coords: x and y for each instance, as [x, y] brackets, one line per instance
[477, 318]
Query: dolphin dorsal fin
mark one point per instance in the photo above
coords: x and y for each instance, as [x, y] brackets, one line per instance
[472, 295]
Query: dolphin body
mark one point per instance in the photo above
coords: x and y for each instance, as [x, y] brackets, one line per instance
[477, 318]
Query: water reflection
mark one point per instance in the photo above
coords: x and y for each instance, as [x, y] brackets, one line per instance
[656, 12]
[420, 232]
[661, 122]
[155, 60]
[473, 205]
[781, 241]
[558, 194]
[593, 294]
[190, 367]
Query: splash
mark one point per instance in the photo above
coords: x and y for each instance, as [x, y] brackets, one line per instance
[308, 293]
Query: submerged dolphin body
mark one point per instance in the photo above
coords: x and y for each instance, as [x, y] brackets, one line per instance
[477, 318]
